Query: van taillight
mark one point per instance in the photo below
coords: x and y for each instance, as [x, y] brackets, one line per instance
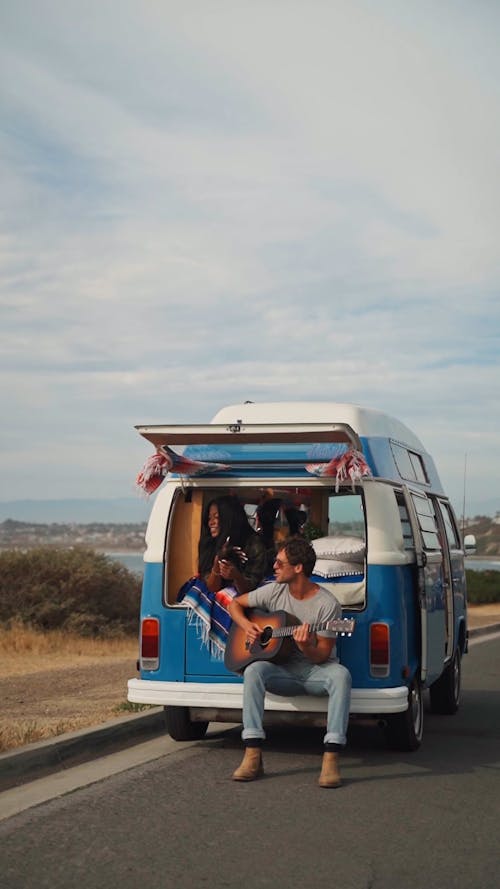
[379, 650]
[150, 643]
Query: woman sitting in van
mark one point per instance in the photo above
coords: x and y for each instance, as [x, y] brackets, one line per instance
[277, 520]
[231, 553]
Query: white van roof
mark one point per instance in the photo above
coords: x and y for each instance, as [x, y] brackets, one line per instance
[365, 422]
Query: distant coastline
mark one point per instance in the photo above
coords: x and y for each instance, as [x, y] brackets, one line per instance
[129, 538]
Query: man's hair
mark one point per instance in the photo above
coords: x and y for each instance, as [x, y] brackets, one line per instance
[299, 552]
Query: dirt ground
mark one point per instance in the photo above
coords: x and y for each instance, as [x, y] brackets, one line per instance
[69, 696]
[483, 615]
[45, 703]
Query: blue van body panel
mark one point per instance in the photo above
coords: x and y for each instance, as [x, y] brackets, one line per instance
[459, 581]
[201, 665]
[460, 599]
[390, 600]
[172, 621]
[152, 584]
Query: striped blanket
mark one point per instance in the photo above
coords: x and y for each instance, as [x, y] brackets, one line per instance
[208, 612]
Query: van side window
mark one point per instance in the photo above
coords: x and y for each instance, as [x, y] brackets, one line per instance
[408, 541]
[451, 529]
[410, 464]
[427, 521]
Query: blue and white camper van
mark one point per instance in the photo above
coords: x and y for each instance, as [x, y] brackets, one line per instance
[388, 547]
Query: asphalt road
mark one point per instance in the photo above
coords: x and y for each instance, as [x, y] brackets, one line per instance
[428, 819]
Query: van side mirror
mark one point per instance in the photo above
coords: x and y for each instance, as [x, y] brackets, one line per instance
[469, 544]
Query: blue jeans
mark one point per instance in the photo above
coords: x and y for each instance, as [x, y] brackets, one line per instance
[330, 679]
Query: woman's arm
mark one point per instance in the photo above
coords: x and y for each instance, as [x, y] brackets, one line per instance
[214, 579]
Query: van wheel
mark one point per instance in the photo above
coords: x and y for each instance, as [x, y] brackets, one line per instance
[404, 730]
[181, 727]
[445, 691]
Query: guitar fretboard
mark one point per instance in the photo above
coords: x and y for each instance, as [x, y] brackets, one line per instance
[344, 626]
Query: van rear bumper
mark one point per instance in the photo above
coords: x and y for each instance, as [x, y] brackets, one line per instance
[229, 696]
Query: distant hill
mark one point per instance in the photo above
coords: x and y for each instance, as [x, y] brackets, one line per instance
[136, 509]
[120, 510]
[128, 536]
[105, 536]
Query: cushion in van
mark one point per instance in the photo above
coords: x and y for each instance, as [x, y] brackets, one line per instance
[348, 549]
[337, 568]
[347, 593]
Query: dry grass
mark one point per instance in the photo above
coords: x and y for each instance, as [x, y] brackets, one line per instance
[56, 682]
[28, 731]
[25, 650]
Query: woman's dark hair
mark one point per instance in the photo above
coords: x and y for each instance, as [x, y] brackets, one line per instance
[233, 523]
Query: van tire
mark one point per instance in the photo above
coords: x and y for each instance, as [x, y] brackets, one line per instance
[181, 727]
[404, 730]
[445, 692]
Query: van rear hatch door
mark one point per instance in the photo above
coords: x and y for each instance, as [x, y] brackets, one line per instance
[242, 448]
[250, 433]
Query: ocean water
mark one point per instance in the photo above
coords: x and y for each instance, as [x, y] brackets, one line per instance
[483, 564]
[134, 562]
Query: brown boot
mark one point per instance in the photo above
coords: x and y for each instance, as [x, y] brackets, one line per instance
[330, 776]
[251, 766]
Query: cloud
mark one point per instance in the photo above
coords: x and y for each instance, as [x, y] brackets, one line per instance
[219, 202]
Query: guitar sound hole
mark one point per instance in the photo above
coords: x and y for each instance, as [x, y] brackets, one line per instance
[266, 636]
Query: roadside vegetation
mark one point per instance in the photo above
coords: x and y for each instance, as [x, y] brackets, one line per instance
[61, 610]
[483, 587]
[76, 590]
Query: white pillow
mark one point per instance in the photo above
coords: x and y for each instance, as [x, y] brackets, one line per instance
[347, 593]
[348, 549]
[337, 568]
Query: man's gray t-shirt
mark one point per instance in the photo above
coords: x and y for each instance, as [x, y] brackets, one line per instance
[321, 607]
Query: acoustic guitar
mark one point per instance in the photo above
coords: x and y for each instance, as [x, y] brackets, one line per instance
[275, 642]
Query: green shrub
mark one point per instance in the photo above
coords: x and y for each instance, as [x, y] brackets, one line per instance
[483, 587]
[74, 589]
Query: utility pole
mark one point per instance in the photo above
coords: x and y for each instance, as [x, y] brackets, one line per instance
[463, 501]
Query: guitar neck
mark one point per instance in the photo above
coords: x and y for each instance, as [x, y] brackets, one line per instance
[338, 626]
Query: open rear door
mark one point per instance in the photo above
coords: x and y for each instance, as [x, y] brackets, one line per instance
[250, 433]
[431, 592]
[241, 448]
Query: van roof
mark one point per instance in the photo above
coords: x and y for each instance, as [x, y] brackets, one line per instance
[365, 422]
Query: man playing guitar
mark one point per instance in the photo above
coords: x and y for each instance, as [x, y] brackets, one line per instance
[313, 667]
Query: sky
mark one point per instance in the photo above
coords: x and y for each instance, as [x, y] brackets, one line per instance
[209, 202]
